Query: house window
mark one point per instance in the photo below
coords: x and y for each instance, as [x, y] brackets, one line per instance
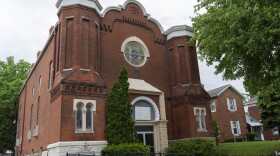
[200, 115]
[84, 115]
[275, 131]
[231, 104]
[213, 106]
[50, 75]
[235, 127]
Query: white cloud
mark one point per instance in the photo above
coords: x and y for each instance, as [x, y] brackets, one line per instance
[24, 28]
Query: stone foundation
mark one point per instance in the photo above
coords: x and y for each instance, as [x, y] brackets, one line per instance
[61, 148]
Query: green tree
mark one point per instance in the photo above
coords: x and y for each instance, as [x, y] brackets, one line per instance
[242, 37]
[216, 130]
[120, 126]
[12, 76]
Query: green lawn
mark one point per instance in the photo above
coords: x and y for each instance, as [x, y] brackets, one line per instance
[249, 148]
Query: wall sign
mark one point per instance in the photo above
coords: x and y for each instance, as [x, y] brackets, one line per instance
[143, 113]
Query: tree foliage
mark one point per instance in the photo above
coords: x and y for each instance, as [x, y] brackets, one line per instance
[120, 126]
[216, 130]
[12, 76]
[243, 38]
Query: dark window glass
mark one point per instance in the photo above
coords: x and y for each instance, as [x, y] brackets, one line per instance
[197, 118]
[50, 75]
[88, 116]
[38, 111]
[203, 125]
[30, 124]
[79, 120]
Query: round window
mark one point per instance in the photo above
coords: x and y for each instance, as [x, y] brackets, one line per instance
[135, 51]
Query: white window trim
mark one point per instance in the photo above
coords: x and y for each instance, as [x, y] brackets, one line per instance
[238, 127]
[93, 109]
[213, 103]
[200, 129]
[234, 103]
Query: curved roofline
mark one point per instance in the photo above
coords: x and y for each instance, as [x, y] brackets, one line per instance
[157, 23]
[97, 6]
[137, 3]
[110, 8]
[120, 7]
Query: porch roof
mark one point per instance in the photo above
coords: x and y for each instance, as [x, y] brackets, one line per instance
[252, 122]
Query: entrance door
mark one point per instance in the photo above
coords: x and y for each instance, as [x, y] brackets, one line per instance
[145, 135]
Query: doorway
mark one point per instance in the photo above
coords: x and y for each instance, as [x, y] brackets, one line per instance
[145, 135]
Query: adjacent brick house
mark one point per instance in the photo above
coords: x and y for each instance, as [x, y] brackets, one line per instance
[227, 108]
[62, 103]
[253, 111]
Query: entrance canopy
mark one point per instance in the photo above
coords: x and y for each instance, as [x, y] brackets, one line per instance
[141, 86]
[252, 122]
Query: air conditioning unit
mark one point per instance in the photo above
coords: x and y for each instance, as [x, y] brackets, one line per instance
[36, 131]
[29, 135]
[17, 142]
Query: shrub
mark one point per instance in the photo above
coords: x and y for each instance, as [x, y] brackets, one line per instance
[236, 140]
[199, 147]
[216, 130]
[251, 136]
[121, 149]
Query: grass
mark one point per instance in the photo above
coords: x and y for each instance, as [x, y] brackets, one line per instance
[265, 148]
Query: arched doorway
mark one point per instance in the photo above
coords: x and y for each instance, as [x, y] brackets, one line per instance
[145, 113]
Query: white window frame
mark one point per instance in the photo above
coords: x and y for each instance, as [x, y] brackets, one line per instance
[237, 123]
[200, 109]
[229, 104]
[275, 131]
[93, 109]
[213, 106]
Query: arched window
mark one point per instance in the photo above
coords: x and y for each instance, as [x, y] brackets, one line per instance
[40, 81]
[84, 115]
[33, 90]
[79, 116]
[89, 116]
[38, 111]
[200, 115]
[50, 75]
[31, 112]
[145, 109]
[197, 118]
[203, 125]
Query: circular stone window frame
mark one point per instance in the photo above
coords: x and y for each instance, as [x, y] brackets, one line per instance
[145, 49]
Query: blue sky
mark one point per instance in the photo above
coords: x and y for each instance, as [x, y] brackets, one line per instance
[24, 29]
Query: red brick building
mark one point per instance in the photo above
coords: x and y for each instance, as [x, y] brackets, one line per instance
[227, 108]
[254, 112]
[62, 103]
